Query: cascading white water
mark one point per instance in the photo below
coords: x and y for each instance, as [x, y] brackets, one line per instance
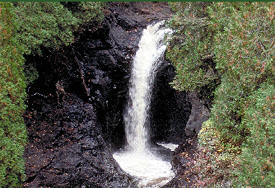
[137, 159]
[145, 62]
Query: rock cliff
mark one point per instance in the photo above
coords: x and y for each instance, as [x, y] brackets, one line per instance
[75, 108]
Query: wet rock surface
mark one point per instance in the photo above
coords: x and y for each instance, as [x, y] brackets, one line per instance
[66, 148]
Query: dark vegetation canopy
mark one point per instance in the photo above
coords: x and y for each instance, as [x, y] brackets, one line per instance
[223, 51]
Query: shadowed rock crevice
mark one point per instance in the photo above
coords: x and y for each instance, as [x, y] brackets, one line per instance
[170, 109]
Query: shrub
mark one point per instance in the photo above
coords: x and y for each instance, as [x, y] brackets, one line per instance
[258, 152]
[239, 39]
[213, 163]
[86, 11]
[12, 95]
[191, 48]
[243, 56]
[51, 24]
[44, 23]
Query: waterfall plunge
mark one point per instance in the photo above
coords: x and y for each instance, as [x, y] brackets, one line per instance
[137, 159]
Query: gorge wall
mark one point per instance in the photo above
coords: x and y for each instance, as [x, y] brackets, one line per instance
[75, 108]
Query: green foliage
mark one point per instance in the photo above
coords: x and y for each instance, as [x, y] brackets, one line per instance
[12, 95]
[44, 23]
[213, 164]
[191, 47]
[239, 39]
[51, 24]
[31, 73]
[258, 152]
[87, 11]
[243, 55]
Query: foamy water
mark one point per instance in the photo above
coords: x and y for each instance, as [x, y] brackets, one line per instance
[169, 146]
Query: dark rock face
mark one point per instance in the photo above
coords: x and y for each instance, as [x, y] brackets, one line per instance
[67, 149]
[169, 108]
[75, 110]
[199, 114]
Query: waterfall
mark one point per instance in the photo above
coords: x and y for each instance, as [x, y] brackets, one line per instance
[144, 65]
[137, 159]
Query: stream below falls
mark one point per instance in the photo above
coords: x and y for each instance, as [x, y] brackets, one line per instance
[139, 158]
